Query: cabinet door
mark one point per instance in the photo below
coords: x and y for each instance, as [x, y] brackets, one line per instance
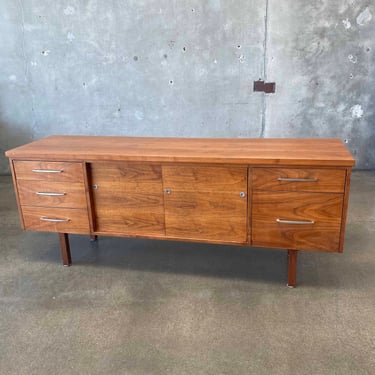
[206, 203]
[128, 198]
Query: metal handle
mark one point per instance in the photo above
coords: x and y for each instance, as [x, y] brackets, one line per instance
[50, 194]
[168, 191]
[48, 170]
[242, 194]
[54, 220]
[297, 179]
[299, 222]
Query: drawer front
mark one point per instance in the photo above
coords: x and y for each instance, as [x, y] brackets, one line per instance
[302, 221]
[48, 171]
[296, 179]
[51, 194]
[61, 220]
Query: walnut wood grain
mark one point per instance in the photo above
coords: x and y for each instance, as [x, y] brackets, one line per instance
[65, 249]
[74, 194]
[205, 203]
[141, 220]
[285, 151]
[249, 205]
[189, 177]
[131, 175]
[71, 172]
[292, 268]
[89, 199]
[128, 197]
[324, 209]
[326, 180]
[16, 192]
[208, 216]
[78, 219]
[345, 209]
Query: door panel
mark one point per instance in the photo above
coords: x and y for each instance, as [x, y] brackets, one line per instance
[128, 198]
[204, 203]
[204, 178]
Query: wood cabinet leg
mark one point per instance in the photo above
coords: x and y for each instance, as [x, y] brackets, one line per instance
[93, 238]
[292, 268]
[65, 249]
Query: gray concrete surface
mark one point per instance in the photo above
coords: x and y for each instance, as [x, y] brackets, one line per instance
[321, 53]
[140, 307]
[186, 68]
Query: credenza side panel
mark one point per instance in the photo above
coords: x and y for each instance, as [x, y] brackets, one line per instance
[345, 208]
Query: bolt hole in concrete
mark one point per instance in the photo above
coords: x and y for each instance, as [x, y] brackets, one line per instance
[346, 140]
[239, 46]
[184, 49]
[171, 82]
[135, 58]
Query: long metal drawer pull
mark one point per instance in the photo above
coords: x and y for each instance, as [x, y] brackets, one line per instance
[54, 220]
[309, 222]
[50, 194]
[297, 179]
[48, 170]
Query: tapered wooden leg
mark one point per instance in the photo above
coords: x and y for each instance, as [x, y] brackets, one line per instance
[292, 268]
[65, 249]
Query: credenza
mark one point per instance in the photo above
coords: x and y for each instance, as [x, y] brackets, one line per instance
[289, 194]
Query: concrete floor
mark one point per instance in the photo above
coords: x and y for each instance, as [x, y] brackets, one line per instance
[155, 307]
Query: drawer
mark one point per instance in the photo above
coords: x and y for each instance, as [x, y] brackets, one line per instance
[301, 221]
[61, 220]
[48, 171]
[51, 194]
[299, 179]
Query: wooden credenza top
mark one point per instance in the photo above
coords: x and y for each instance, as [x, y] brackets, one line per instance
[271, 151]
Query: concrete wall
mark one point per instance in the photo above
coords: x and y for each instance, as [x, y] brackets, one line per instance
[321, 53]
[186, 68]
